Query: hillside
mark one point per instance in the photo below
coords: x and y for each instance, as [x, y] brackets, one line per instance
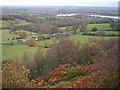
[82, 76]
[66, 68]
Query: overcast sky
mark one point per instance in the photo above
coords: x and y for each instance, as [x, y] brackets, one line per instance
[107, 3]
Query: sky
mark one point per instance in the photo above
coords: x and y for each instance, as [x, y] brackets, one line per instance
[103, 3]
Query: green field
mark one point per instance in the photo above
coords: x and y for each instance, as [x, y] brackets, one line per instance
[23, 23]
[6, 35]
[111, 32]
[84, 38]
[4, 24]
[98, 26]
[42, 17]
[28, 32]
[42, 42]
[16, 51]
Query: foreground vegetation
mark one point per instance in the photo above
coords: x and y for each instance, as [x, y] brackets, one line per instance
[69, 68]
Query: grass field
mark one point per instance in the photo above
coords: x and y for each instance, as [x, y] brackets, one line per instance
[6, 35]
[41, 17]
[42, 42]
[16, 51]
[28, 32]
[111, 32]
[4, 24]
[99, 26]
[84, 38]
[24, 23]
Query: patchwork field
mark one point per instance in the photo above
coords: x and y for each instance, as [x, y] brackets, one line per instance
[17, 51]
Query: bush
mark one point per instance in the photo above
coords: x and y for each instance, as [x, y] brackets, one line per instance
[46, 45]
[36, 65]
[110, 47]
[39, 61]
[70, 73]
[98, 50]
[95, 80]
[31, 42]
[64, 52]
[90, 53]
[14, 75]
[94, 29]
[23, 35]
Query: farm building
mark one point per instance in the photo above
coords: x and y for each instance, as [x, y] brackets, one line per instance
[36, 38]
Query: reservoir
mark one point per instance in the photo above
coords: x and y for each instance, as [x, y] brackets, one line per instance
[102, 16]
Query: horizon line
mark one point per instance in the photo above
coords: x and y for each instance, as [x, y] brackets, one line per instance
[53, 6]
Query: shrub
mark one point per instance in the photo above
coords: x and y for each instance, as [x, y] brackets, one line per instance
[98, 50]
[23, 35]
[110, 48]
[94, 29]
[36, 65]
[70, 73]
[39, 61]
[89, 53]
[14, 75]
[46, 45]
[31, 42]
[64, 52]
[95, 80]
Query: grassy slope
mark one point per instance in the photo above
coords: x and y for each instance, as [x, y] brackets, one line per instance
[24, 23]
[4, 24]
[6, 35]
[99, 26]
[16, 51]
[84, 39]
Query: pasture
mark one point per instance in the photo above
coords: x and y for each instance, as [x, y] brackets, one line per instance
[84, 38]
[105, 26]
[4, 24]
[17, 51]
[23, 23]
[6, 35]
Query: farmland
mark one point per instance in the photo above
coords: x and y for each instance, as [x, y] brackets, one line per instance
[23, 23]
[6, 35]
[19, 50]
[84, 39]
[101, 27]
[59, 47]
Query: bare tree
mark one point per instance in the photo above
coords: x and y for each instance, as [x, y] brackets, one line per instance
[39, 61]
[66, 51]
